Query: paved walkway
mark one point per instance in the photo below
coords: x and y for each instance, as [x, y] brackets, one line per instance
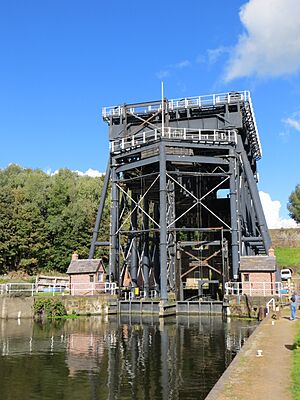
[261, 378]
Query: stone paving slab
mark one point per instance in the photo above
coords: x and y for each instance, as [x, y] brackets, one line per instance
[261, 378]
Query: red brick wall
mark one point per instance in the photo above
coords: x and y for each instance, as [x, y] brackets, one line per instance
[81, 284]
[260, 283]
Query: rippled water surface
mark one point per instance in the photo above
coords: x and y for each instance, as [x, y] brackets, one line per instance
[118, 358]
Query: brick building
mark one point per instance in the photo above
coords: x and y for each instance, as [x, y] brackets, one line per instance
[87, 277]
[258, 275]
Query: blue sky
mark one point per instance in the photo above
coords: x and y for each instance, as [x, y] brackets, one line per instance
[62, 60]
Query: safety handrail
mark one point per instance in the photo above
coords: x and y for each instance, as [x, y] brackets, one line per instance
[187, 134]
[268, 305]
[186, 102]
[254, 288]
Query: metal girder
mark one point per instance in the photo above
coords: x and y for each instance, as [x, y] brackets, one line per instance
[94, 242]
[169, 198]
[202, 262]
[196, 159]
[198, 201]
[262, 223]
[137, 164]
[162, 222]
[137, 204]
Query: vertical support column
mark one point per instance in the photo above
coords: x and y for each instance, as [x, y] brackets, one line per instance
[146, 262]
[156, 251]
[113, 259]
[163, 221]
[179, 285]
[100, 210]
[134, 254]
[255, 198]
[233, 217]
[171, 235]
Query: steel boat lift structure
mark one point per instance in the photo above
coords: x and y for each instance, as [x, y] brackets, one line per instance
[182, 178]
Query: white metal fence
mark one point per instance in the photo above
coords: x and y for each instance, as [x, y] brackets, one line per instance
[141, 295]
[18, 288]
[186, 102]
[255, 288]
[213, 136]
[84, 289]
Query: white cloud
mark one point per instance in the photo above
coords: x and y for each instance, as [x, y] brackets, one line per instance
[270, 45]
[166, 72]
[272, 213]
[182, 64]
[93, 173]
[292, 122]
[214, 54]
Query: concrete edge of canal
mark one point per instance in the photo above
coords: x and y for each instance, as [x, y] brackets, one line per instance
[234, 367]
[262, 369]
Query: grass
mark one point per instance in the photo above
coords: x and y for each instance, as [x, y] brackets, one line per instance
[50, 294]
[288, 257]
[296, 368]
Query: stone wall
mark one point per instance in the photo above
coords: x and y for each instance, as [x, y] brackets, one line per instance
[87, 305]
[22, 307]
[16, 307]
[285, 237]
[246, 306]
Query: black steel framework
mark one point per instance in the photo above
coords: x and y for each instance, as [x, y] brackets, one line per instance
[184, 198]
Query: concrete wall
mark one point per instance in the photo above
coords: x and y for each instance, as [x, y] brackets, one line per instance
[22, 307]
[87, 305]
[247, 306]
[16, 307]
[285, 237]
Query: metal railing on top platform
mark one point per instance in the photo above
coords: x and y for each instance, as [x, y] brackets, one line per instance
[209, 100]
[212, 136]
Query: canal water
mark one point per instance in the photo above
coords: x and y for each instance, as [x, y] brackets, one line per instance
[117, 358]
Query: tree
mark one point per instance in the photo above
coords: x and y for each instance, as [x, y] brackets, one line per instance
[294, 204]
[44, 218]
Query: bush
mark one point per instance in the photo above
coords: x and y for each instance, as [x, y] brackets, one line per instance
[48, 308]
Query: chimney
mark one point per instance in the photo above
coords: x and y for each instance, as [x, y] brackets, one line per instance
[74, 256]
[271, 252]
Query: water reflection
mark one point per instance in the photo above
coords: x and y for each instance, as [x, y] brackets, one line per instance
[121, 358]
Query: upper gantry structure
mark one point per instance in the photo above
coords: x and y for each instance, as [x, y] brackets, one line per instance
[184, 198]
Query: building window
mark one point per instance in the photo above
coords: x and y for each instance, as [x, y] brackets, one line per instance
[100, 276]
[91, 278]
[246, 278]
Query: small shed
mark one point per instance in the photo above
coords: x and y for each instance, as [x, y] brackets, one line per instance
[86, 277]
[258, 275]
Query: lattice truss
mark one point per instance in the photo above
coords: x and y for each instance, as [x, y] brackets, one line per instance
[185, 152]
[139, 226]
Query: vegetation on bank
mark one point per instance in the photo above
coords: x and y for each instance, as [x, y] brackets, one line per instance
[48, 308]
[43, 218]
[288, 257]
[296, 368]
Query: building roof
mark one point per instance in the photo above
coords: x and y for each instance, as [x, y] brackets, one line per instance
[258, 264]
[84, 266]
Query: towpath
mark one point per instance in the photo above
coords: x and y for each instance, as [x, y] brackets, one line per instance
[250, 377]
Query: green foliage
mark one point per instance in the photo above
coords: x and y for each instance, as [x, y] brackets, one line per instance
[44, 218]
[296, 368]
[287, 256]
[48, 308]
[294, 204]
